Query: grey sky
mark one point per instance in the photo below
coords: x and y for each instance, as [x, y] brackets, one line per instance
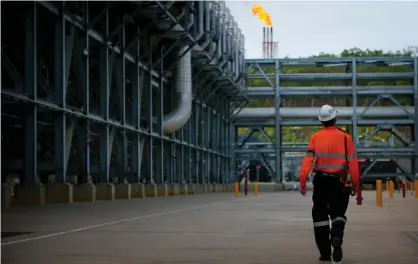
[307, 28]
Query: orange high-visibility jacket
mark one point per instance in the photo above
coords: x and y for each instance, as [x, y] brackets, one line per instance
[326, 147]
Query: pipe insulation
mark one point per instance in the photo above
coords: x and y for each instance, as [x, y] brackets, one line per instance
[312, 112]
[182, 78]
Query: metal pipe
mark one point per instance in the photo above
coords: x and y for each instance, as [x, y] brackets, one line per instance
[182, 77]
[312, 112]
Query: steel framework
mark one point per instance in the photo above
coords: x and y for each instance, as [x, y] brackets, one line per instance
[138, 91]
[353, 80]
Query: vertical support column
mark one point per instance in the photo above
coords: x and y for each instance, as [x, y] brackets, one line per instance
[354, 103]
[202, 134]
[60, 94]
[122, 135]
[105, 72]
[415, 167]
[31, 83]
[196, 142]
[160, 150]
[137, 140]
[277, 101]
[85, 147]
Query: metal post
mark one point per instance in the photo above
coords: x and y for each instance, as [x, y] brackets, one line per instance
[60, 94]
[31, 86]
[105, 72]
[278, 165]
[415, 167]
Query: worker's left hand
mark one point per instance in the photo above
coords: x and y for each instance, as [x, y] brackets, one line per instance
[302, 189]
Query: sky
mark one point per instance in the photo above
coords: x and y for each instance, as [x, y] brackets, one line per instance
[305, 28]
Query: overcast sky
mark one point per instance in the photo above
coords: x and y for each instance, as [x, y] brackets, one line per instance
[310, 27]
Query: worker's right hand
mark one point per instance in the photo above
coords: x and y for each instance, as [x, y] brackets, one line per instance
[302, 189]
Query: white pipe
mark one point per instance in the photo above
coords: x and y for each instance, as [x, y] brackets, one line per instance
[312, 112]
[182, 78]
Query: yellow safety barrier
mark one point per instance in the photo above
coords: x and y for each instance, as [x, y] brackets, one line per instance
[391, 189]
[236, 188]
[255, 188]
[379, 198]
[416, 189]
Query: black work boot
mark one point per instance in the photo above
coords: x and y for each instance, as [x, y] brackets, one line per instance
[337, 253]
[325, 258]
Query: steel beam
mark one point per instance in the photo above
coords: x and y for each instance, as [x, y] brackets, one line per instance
[304, 149]
[263, 92]
[360, 122]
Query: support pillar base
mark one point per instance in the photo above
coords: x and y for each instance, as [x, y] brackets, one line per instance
[31, 195]
[85, 192]
[278, 187]
[162, 190]
[6, 197]
[105, 191]
[137, 190]
[190, 188]
[60, 193]
[151, 190]
[182, 189]
[123, 191]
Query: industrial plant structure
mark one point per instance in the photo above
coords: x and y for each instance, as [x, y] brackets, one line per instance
[152, 93]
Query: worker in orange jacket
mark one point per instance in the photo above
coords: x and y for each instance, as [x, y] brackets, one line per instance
[334, 154]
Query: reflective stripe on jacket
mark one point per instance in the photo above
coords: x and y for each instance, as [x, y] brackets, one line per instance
[327, 148]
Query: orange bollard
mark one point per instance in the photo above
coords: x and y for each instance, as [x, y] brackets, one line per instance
[403, 188]
[416, 189]
[255, 188]
[236, 188]
[379, 198]
[391, 189]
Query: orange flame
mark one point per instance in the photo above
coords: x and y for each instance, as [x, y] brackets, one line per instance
[261, 15]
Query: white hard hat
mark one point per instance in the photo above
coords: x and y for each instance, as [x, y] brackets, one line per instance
[327, 113]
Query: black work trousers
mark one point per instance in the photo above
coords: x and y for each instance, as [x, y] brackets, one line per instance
[330, 202]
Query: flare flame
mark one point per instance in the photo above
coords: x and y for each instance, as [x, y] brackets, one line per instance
[261, 15]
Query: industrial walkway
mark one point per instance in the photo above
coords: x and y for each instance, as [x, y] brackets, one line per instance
[216, 228]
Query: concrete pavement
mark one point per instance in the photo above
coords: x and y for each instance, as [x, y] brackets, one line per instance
[213, 228]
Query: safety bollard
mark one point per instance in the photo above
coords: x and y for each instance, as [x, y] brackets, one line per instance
[379, 198]
[403, 188]
[255, 189]
[416, 189]
[391, 189]
[387, 186]
[411, 188]
[246, 182]
[236, 188]
[359, 197]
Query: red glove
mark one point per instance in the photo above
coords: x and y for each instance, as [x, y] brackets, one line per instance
[302, 189]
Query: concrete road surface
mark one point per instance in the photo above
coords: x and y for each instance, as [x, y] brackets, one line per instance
[215, 228]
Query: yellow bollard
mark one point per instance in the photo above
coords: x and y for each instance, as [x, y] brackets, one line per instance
[379, 198]
[255, 188]
[416, 189]
[236, 188]
[391, 189]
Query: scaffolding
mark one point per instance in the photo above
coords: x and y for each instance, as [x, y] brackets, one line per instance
[378, 92]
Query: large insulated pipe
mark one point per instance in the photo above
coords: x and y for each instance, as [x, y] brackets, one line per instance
[312, 112]
[182, 77]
